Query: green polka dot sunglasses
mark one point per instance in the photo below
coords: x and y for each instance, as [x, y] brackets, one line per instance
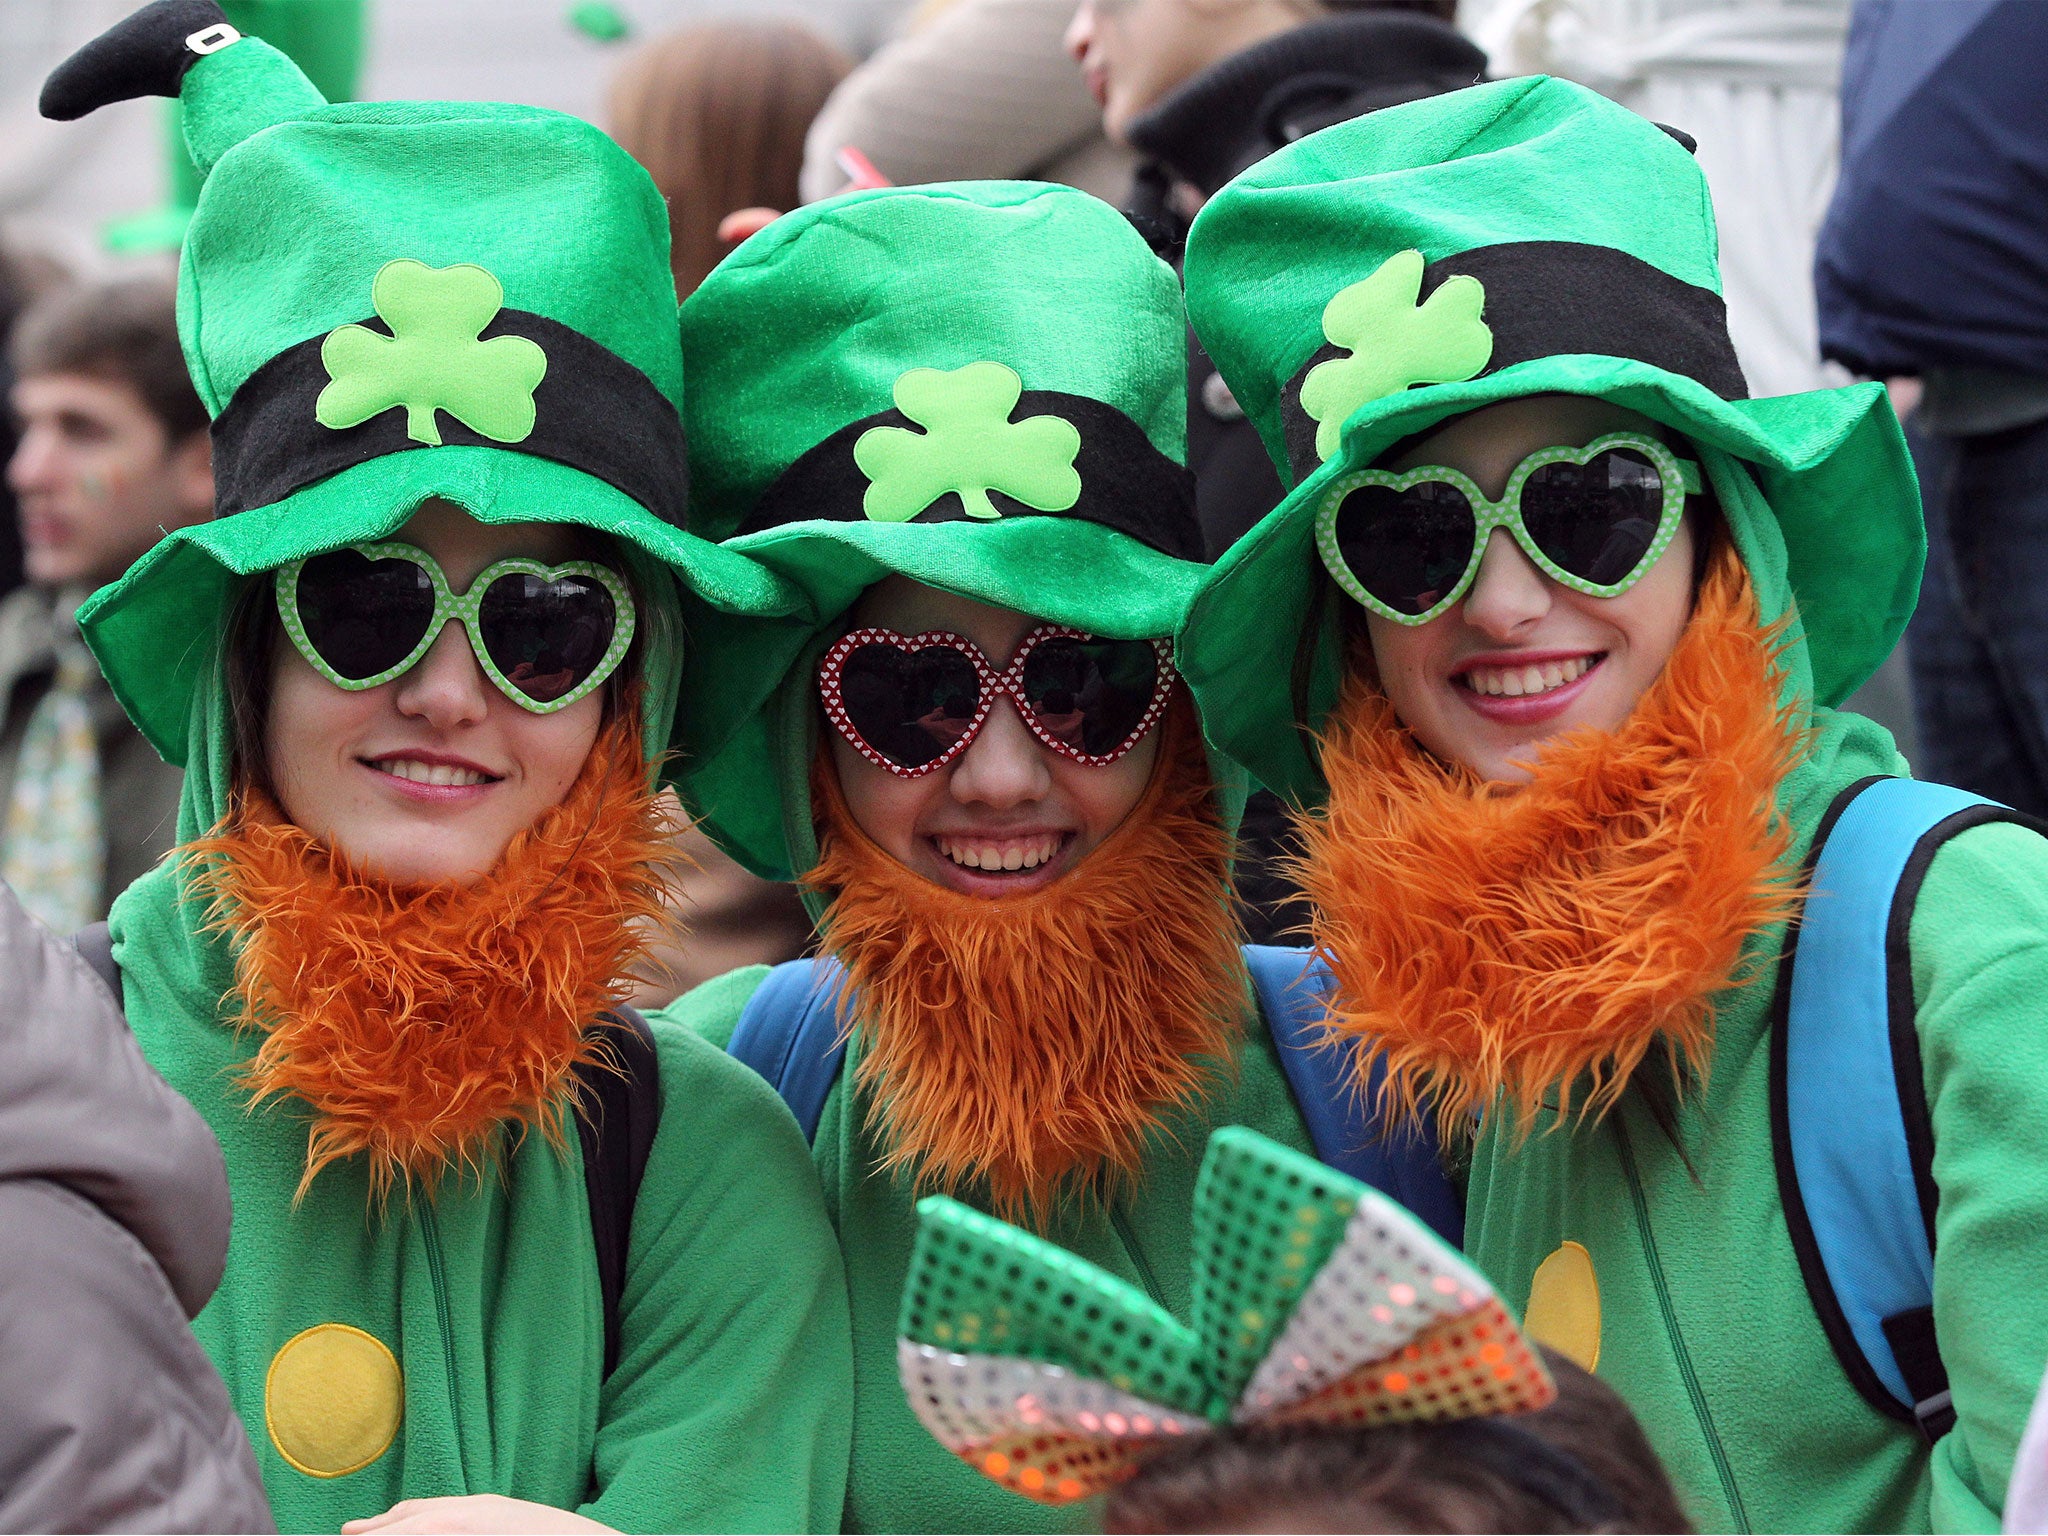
[546, 635]
[1408, 546]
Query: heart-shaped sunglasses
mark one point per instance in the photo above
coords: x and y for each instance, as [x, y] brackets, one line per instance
[546, 635]
[913, 703]
[1595, 518]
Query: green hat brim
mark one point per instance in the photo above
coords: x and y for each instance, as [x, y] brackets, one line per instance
[1832, 464]
[750, 778]
[156, 631]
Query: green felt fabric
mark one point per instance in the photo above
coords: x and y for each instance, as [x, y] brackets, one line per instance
[1393, 341]
[729, 1409]
[432, 360]
[901, 1478]
[824, 319]
[1519, 160]
[969, 446]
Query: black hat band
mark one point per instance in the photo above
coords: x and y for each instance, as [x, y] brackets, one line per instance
[1126, 483]
[593, 411]
[1554, 298]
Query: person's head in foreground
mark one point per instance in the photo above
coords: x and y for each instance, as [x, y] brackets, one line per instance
[983, 768]
[1342, 1370]
[420, 669]
[114, 451]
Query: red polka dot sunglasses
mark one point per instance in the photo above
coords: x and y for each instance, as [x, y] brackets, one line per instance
[913, 703]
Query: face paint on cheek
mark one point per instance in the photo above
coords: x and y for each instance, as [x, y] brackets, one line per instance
[93, 487]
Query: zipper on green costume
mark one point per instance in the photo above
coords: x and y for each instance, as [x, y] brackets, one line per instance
[1129, 1239]
[1683, 1355]
[437, 1273]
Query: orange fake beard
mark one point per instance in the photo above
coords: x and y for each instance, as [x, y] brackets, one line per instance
[414, 1022]
[1537, 943]
[1031, 1044]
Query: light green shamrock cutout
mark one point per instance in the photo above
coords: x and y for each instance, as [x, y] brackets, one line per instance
[432, 359]
[969, 446]
[1394, 342]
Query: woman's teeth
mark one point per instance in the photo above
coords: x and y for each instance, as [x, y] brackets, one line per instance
[1025, 853]
[429, 773]
[1520, 682]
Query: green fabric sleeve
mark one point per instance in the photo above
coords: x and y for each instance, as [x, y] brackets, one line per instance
[711, 1009]
[731, 1407]
[1980, 978]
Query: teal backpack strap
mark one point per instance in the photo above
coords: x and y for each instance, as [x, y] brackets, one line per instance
[1850, 1131]
[1292, 987]
[789, 1033]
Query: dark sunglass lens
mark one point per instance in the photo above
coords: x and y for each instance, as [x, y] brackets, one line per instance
[546, 636]
[1090, 694]
[363, 616]
[1596, 520]
[1407, 548]
[910, 706]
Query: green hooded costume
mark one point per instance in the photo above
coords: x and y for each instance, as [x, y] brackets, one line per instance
[453, 1341]
[1529, 237]
[798, 344]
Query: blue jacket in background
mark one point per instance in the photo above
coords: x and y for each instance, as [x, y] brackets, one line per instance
[1935, 249]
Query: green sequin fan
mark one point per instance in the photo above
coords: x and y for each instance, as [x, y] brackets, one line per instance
[1315, 1299]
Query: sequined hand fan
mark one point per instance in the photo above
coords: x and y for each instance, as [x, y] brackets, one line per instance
[1315, 1300]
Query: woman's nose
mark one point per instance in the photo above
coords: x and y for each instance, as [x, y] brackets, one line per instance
[1509, 593]
[1080, 31]
[447, 687]
[1004, 766]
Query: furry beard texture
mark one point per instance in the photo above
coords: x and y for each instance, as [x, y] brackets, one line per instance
[1031, 1044]
[1538, 943]
[414, 1022]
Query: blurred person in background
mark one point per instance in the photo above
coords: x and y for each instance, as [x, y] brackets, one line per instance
[717, 114]
[972, 90]
[113, 452]
[23, 277]
[1933, 267]
[1203, 89]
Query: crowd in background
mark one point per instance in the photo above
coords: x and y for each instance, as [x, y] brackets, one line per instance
[1879, 191]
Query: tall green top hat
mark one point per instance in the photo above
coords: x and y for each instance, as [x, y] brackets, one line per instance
[979, 386]
[386, 302]
[1518, 238]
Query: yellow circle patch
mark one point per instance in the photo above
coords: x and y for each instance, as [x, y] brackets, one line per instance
[1564, 1305]
[333, 1400]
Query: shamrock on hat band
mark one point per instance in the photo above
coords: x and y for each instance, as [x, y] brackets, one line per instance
[1315, 1300]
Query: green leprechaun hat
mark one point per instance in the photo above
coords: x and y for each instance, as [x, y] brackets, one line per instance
[1519, 238]
[977, 385]
[386, 302]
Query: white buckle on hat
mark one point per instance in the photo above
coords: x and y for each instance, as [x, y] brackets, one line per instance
[212, 39]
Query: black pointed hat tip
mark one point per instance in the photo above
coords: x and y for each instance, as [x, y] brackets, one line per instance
[146, 55]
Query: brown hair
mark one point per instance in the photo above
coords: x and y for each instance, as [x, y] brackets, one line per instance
[717, 114]
[1582, 1464]
[124, 333]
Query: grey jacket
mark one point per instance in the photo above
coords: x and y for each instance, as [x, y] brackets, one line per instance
[113, 1232]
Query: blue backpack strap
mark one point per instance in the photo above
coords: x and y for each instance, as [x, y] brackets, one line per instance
[789, 1033]
[1292, 987]
[1851, 1135]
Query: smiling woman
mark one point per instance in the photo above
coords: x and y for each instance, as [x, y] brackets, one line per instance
[505, 1254]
